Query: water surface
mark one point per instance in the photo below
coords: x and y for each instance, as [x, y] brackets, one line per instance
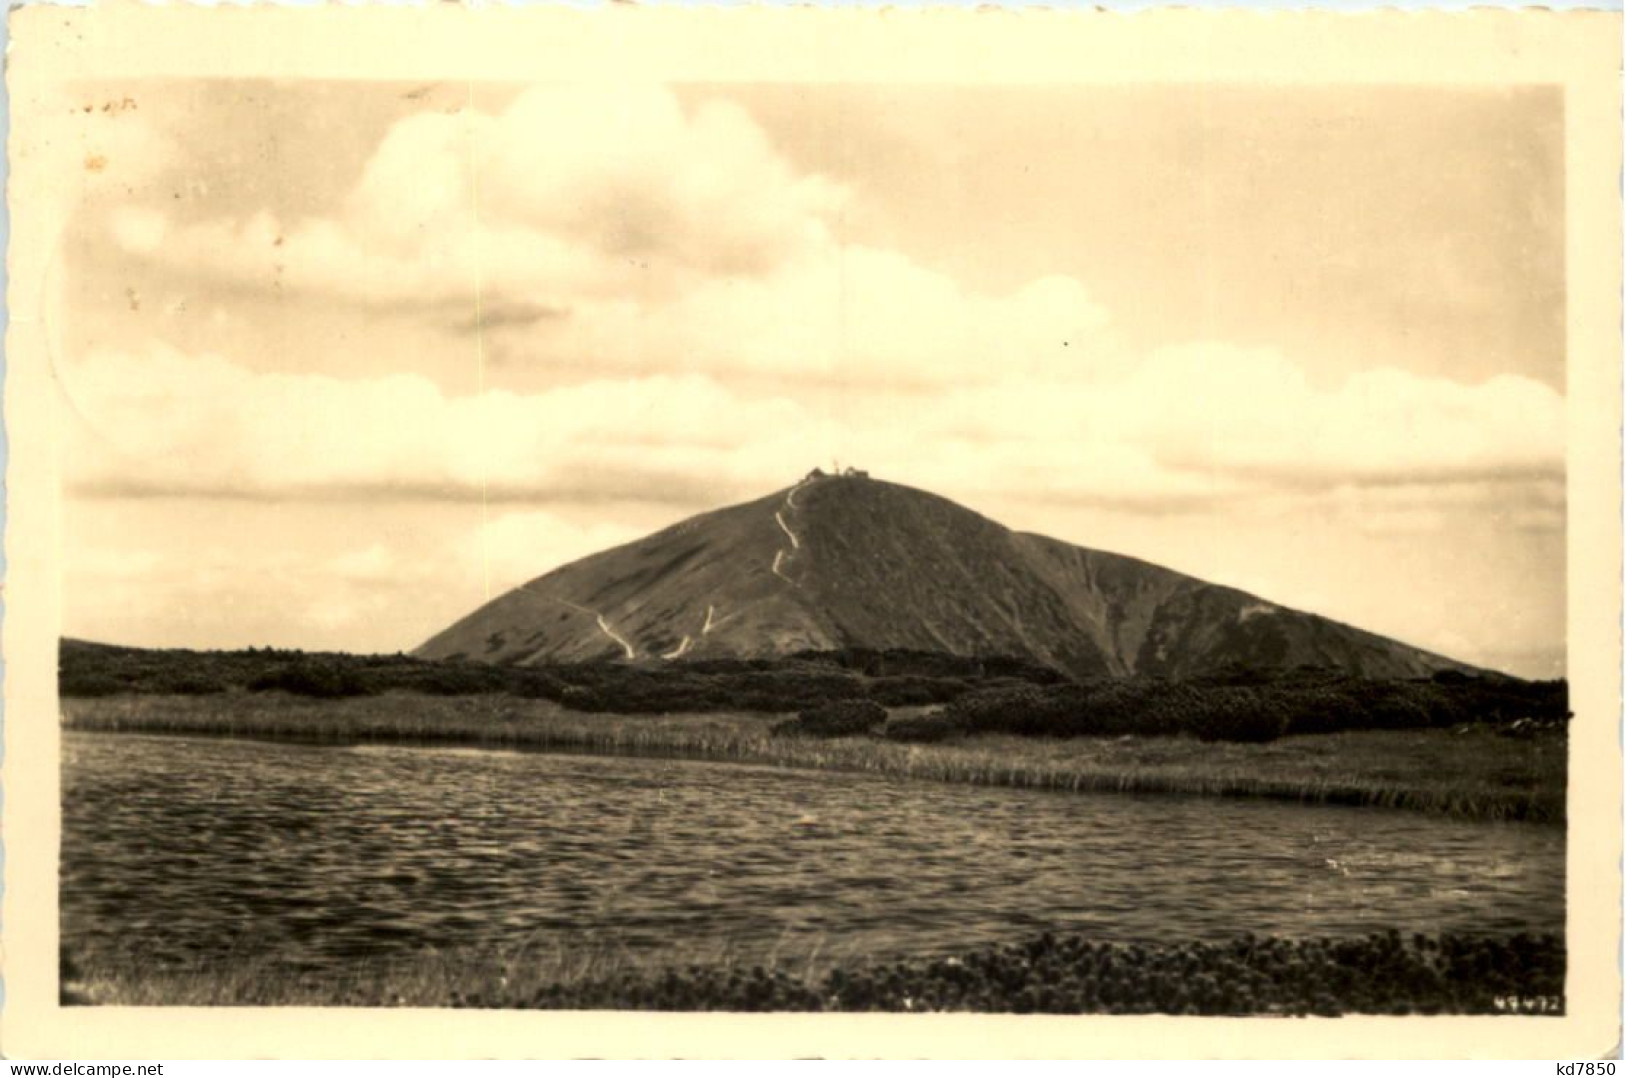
[182, 851]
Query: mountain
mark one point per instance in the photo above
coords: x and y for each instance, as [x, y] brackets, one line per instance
[849, 561]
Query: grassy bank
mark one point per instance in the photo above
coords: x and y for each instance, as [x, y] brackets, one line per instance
[1378, 974]
[1471, 772]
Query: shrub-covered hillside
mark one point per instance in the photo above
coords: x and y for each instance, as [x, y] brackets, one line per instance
[946, 696]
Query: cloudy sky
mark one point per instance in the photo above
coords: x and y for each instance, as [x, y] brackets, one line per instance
[340, 359]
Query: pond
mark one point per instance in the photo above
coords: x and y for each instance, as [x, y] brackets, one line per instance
[181, 851]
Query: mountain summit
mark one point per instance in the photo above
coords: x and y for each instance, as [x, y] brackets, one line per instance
[848, 561]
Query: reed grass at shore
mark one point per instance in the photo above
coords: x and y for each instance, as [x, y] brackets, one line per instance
[1471, 772]
[1384, 973]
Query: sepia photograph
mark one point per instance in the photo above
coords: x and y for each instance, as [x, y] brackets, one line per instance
[670, 541]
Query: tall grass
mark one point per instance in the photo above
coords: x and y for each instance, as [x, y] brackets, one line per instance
[1384, 973]
[1473, 774]
[474, 976]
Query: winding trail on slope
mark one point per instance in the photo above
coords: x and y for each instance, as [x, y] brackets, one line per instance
[681, 649]
[712, 621]
[778, 515]
[605, 626]
[603, 622]
[783, 555]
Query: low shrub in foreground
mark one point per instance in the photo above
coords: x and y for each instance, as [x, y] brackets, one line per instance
[915, 691]
[450, 679]
[1378, 974]
[1383, 973]
[838, 718]
[179, 683]
[978, 695]
[931, 727]
[1234, 715]
[931, 665]
[1256, 711]
[90, 683]
[314, 678]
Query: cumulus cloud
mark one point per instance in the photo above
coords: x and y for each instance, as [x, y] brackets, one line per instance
[608, 227]
[1175, 432]
[854, 316]
[572, 192]
[1252, 413]
[167, 422]
[621, 170]
[652, 255]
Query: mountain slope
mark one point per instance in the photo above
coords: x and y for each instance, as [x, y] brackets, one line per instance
[851, 561]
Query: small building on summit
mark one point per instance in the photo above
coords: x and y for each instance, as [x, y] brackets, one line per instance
[839, 473]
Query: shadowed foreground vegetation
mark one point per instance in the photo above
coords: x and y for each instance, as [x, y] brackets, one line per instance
[972, 695]
[1377, 974]
[1471, 771]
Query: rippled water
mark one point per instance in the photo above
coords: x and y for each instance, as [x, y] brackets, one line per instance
[181, 850]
